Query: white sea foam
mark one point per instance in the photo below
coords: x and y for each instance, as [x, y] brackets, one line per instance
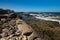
[46, 17]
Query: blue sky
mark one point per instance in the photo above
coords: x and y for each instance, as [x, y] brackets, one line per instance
[31, 5]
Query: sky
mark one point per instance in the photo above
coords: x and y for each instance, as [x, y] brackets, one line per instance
[31, 5]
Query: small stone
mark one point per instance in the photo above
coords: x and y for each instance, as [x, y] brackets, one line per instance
[5, 34]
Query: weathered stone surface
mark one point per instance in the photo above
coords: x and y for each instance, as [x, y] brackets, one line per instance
[27, 32]
[17, 29]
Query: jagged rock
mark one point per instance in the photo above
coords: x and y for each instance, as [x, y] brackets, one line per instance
[3, 20]
[27, 32]
[5, 34]
[5, 25]
[16, 29]
[12, 22]
[18, 32]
